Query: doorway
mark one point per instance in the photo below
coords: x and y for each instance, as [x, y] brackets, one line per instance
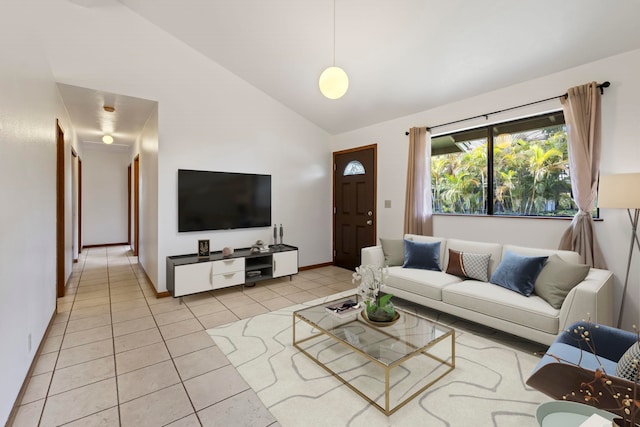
[60, 279]
[129, 203]
[354, 204]
[76, 204]
[79, 205]
[136, 205]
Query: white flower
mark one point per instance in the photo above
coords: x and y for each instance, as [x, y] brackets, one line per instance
[370, 279]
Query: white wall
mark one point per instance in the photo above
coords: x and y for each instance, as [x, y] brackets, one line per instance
[29, 106]
[104, 196]
[208, 119]
[620, 153]
[147, 149]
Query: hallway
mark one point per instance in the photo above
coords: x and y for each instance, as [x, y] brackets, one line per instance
[117, 355]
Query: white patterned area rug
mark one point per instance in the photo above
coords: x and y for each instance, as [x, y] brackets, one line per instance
[486, 388]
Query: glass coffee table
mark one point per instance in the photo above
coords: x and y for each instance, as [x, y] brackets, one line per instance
[387, 366]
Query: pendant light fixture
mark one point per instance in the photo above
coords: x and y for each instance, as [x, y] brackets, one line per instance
[334, 82]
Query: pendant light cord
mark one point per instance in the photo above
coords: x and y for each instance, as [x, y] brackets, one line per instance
[334, 33]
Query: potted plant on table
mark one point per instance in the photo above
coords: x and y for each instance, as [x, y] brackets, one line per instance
[370, 279]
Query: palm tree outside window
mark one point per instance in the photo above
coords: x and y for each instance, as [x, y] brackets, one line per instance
[516, 168]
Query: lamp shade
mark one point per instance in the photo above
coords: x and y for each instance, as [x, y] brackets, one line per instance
[621, 191]
[333, 82]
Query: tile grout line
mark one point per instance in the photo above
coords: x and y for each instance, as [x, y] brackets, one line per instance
[86, 415]
[114, 362]
[170, 357]
[64, 334]
[113, 266]
[113, 341]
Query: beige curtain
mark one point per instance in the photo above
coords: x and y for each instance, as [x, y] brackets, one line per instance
[582, 115]
[417, 213]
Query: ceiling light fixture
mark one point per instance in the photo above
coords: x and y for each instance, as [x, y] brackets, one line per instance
[107, 139]
[333, 81]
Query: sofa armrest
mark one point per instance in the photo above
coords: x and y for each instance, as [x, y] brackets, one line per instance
[591, 299]
[373, 255]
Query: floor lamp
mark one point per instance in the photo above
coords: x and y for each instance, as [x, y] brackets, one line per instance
[622, 191]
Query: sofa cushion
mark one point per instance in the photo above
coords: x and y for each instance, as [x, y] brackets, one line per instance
[518, 272]
[501, 303]
[568, 256]
[425, 283]
[626, 368]
[430, 239]
[465, 264]
[393, 250]
[557, 278]
[494, 249]
[422, 255]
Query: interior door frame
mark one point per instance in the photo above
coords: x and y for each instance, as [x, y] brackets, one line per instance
[60, 228]
[75, 184]
[136, 204]
[129, 203]
[79, 205]
[375, 192]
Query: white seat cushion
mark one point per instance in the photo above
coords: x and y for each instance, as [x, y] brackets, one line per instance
[503, 304]
[426, 283]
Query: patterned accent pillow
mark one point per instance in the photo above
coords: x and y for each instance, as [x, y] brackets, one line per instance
[626, 367]
[472, 266]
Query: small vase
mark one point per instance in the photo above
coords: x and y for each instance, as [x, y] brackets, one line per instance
[275, 235]
[381, 314]
[380, 324]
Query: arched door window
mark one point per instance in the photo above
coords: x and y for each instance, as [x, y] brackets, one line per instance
[354, 167]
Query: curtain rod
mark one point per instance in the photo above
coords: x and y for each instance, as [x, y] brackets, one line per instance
[601, 86]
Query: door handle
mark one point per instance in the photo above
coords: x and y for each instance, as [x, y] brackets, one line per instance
[369, 222]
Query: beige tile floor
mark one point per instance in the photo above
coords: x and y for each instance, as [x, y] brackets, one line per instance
[117, 355]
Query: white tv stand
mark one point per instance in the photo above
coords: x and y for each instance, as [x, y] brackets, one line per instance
[190, 274]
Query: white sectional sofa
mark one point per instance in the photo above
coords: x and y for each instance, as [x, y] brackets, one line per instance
[530, 317]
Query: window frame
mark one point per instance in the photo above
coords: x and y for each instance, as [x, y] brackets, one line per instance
[490, 190]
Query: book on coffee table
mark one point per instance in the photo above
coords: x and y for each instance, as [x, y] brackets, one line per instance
[344, 308]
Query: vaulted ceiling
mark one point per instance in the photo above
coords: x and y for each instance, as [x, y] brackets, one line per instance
[402, 56]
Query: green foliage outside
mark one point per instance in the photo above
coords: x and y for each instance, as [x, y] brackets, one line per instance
[531, 176]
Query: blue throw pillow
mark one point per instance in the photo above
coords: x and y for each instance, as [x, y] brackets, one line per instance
[518, 272]
[423, 255]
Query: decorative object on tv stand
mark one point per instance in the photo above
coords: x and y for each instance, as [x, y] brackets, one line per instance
[275, 235]
[379, 309]
[622, 191]
[227, 251]
[203, 248]
[281, 234]
[259, 247]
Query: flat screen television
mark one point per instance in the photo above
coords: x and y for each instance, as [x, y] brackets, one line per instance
[222, 200]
